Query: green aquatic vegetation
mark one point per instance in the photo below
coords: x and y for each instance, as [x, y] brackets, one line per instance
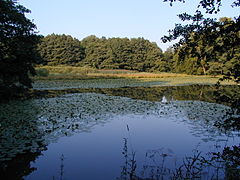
[117, 82]
[32, 124]
[193, 92]
[121, 82]
[28, 125]
[93, 83]
[19, 130]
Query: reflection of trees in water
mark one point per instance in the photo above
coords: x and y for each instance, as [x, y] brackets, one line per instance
[29, 126]
[208, 93]
[191, 92]
[19, 166]
[232, 98]
[201, 117]
[19, 130]
[224, 164]
[21, 139]
[227, 95]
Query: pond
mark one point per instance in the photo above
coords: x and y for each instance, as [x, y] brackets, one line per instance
[112, 133]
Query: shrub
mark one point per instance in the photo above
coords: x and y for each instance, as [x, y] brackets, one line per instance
[42, 72]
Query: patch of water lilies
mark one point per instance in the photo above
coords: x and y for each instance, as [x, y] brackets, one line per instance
[32, 124]
[92, 83]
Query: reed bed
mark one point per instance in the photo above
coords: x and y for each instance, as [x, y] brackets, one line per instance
[79, 73]
[90, 72]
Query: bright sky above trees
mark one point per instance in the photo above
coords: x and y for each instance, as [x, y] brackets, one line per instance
[150, 19]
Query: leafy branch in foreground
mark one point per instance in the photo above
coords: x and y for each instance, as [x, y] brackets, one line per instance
[207, 40]
[17, 49]
[213, 165]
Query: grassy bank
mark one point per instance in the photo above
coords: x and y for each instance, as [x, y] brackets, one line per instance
[85, 73]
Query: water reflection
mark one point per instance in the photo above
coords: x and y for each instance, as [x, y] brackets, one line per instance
[223, 164]
[28, 127]
[208, 93]
[19, 166]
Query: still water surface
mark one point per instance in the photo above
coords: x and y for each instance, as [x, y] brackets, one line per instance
[81, 135]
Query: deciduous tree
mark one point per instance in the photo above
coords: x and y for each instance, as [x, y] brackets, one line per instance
[17, 48]
[220, 36]
[60, 49]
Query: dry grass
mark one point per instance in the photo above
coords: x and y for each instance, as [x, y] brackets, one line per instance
[138, 75]
[90, 72]
[70, 73]
[67, 70]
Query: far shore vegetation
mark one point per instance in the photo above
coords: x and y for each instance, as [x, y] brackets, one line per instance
[63, 72]
[208, 51]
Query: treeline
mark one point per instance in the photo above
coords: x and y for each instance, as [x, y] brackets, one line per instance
[197, 56]
[216, 50]
[18, 42]
[102, 53]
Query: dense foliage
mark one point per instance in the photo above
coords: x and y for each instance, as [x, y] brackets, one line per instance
[198, 55]
[102, 53]
[211, 46]
[208, 52]
[60, 49]
[207, 46]
[17, 43]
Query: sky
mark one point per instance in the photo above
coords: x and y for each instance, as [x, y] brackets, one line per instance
[150, 19]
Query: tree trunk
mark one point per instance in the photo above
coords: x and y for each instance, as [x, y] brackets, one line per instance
[203, 62]
[204, 69]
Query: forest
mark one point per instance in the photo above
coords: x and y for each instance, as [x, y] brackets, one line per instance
[102, 53]
[142, 55]
[120, 108]
[207, 47]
